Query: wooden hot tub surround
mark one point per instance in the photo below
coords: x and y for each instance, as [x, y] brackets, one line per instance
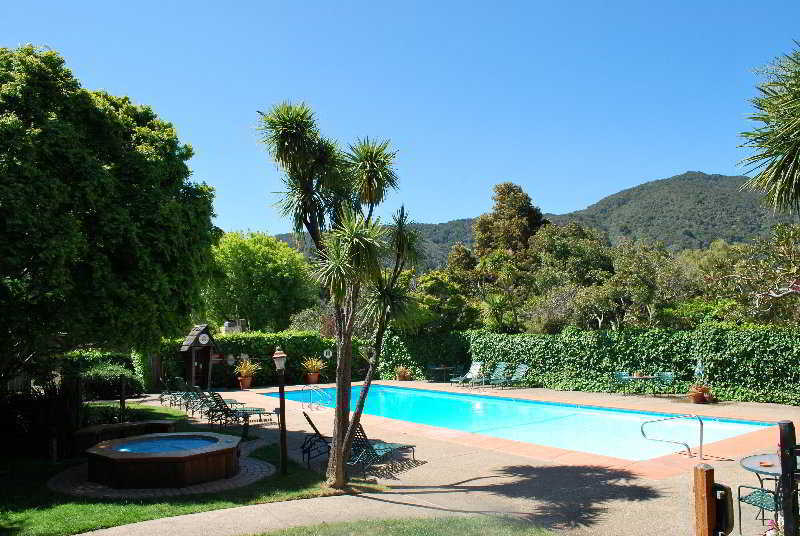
[170, 469]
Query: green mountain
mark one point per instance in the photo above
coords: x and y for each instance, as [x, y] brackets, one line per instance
[686, 211]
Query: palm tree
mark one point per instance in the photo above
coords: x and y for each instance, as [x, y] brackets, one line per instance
[371, 167]
[326, 191]
[317, 186]
[351, 263]
[777, 140]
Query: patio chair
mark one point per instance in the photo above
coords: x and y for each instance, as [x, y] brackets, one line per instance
[516, 377]
[430, 373]
[622, 380]
[473, 372]
[225, 414]
[763, 499]
[314, 445]
[665, 379]
[368, 452]
[498, 374]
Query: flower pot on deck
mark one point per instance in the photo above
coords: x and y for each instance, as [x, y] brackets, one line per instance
[244, 383]
[312, 377]
[697, 397]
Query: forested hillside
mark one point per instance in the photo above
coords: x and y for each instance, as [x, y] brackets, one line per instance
[690, 210]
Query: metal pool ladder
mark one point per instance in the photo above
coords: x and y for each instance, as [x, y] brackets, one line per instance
[685, 445]
[321, 394]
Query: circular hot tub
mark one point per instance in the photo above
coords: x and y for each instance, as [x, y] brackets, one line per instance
[164, 460]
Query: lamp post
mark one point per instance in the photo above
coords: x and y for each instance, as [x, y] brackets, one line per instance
[280, 365]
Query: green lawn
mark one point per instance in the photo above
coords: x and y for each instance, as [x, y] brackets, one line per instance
[452, 526]
[27, 507]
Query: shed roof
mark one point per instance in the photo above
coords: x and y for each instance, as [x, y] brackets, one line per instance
[191, 339]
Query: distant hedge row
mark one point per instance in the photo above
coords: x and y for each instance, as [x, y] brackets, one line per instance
[760, 364]
[298, 345]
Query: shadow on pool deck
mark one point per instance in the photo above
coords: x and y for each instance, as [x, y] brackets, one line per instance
[564, 496]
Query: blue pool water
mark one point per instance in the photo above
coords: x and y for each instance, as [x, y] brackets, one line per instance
[165, 444]
[607, 432]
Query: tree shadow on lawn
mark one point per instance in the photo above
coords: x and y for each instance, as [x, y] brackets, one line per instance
[565, 496]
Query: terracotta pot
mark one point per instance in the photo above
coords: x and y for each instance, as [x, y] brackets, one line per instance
[244, 383]
[696, 397]
[312, 377]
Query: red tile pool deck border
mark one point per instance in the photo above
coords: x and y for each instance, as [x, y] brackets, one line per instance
[655, 468]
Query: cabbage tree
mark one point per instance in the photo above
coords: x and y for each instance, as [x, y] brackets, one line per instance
[332, 196]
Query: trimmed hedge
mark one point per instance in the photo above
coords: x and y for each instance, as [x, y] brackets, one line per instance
[755, 363]
[260, 346]
[102, 372]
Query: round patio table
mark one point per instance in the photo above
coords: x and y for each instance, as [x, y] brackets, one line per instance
[444, 370]
[753, 464]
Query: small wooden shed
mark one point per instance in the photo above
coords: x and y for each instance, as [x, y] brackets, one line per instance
[199, 353]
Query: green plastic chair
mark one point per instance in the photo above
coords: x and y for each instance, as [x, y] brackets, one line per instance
[515, 379]
[622, 379]
[665, 379]
[368, 452]
[498, 374]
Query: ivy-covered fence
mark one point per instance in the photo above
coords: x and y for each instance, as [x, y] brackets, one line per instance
[760, 364]
[298, 345]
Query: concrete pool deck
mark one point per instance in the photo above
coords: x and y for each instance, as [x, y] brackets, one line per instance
[655, 468]
[569, 491]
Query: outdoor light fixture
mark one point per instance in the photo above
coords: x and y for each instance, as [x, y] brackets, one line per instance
[231, 360]
[280, 359]
[280, 365]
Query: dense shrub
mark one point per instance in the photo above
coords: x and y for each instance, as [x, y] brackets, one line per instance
[102, 373]
[752, 363]
[260, 346]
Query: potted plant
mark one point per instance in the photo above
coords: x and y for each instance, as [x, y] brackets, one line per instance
[313, 366]
[245, 369]
[700, 394]
[403, 373]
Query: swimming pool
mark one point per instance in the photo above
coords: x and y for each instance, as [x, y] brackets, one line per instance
[607, 432]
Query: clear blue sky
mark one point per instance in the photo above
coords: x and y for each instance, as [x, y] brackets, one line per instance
[572, 100]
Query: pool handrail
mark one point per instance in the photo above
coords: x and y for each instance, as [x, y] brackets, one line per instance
[683, 444]
[313, 388]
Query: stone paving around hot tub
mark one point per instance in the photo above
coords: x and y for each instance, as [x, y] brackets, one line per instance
[74, 481]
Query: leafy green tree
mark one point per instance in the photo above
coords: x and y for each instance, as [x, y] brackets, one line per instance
[777, 152]
[258, 277]
[569, 254]
[710, 266]
[104, 240]
[329, 190]
[461, 258]
[444, 305]
[510, 224]
[504, 289]
[766, 280]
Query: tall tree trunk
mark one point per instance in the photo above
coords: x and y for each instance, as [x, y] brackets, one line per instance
[373, 366]
[344, 315]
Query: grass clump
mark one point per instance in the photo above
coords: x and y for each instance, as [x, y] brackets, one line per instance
[451, 526]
